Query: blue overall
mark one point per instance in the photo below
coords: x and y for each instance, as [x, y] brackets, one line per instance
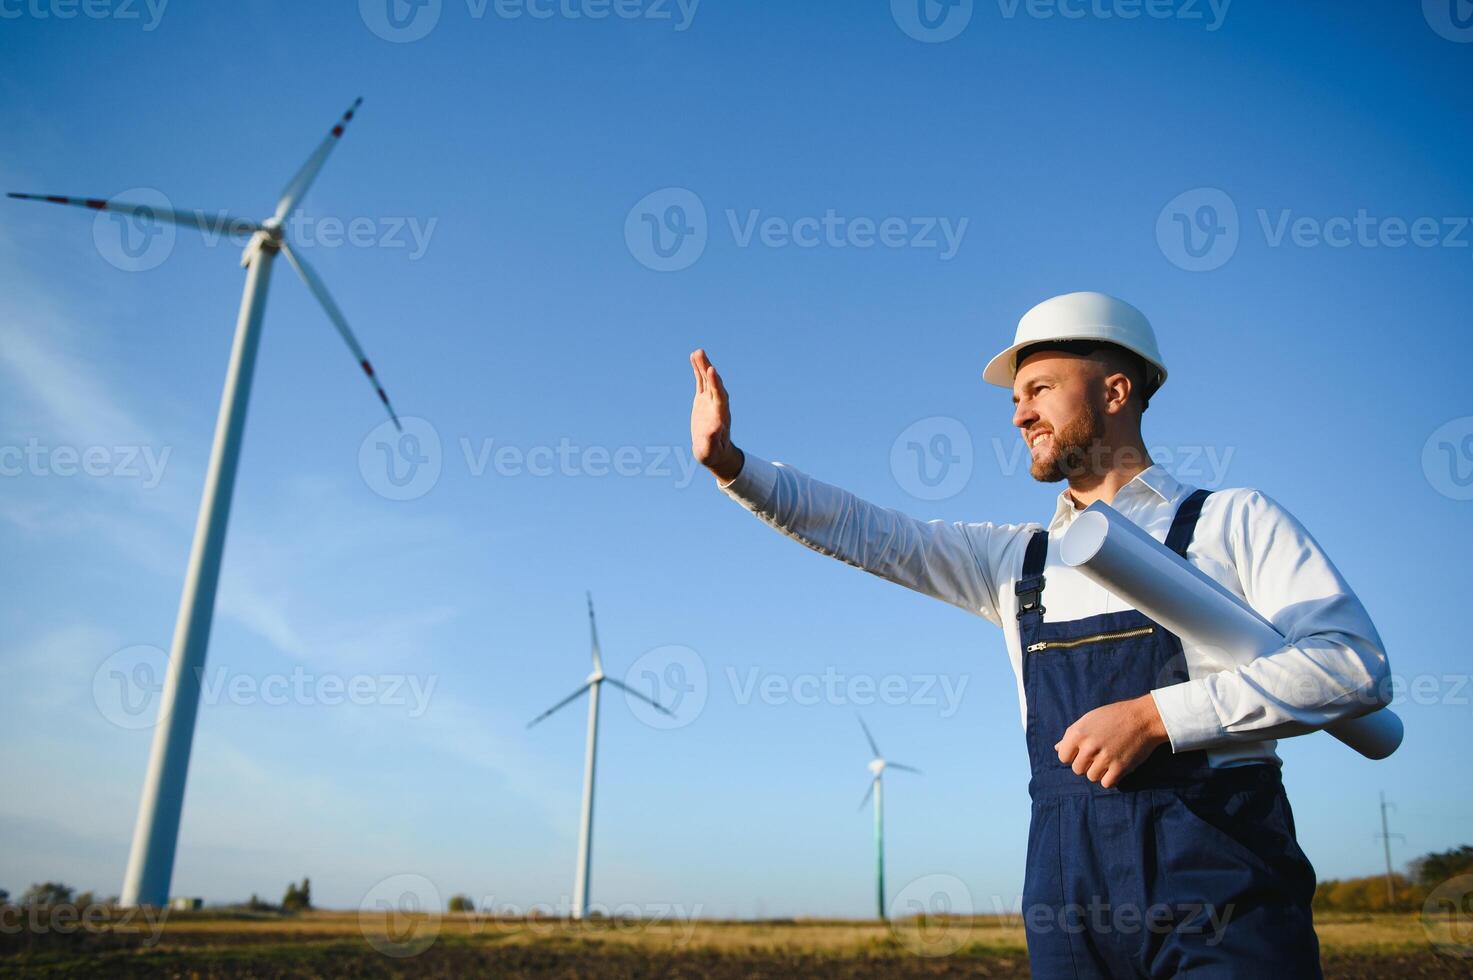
[1180, 869]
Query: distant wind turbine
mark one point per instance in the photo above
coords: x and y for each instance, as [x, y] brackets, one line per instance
[877, 766]
[151, 860]
[585, 832]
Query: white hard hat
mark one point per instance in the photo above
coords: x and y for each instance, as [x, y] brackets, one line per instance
[1081, 316]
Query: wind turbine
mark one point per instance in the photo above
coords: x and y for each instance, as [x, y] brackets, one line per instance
[585, 832]
[151, 860]
[877, 766]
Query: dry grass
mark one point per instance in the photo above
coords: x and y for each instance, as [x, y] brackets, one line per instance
[345, 944]
[1338, 932]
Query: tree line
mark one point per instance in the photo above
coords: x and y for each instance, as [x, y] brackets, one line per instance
[1407, 892]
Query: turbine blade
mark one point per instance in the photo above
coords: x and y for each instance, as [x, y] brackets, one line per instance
[868, 793]
[643, 697]
[217, 223]
[598, 660]
[565, 701]
[341, 322]
[297, 189]
[903, 768]
[873, 747]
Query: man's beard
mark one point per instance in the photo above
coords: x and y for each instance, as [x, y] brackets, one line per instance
[1077, 448]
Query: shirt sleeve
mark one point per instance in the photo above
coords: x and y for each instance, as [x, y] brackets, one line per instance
[955, 562]
[1333, 665]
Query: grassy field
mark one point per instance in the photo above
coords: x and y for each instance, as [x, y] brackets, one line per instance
[339, 944]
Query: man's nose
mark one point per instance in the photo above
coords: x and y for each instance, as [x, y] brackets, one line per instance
[1023, 415]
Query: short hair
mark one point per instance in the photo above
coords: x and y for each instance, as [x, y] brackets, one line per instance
[1119, 359]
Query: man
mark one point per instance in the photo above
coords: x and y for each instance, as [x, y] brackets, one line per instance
[1161, 842]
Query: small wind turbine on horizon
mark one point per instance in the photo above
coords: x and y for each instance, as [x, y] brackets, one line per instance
[877, 767]
[590, 684]
[151, 859]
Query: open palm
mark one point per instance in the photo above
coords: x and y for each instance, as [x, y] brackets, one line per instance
[710, 421]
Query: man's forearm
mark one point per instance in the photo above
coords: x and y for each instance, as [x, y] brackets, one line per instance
[936, 558]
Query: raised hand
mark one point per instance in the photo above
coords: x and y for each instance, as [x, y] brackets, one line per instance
[710, 422]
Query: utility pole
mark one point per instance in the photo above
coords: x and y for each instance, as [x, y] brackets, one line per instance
[1386, 836]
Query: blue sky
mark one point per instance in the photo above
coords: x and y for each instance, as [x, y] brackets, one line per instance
[1316, 352]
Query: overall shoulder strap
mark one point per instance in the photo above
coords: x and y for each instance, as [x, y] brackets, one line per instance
[1029, 589]
[1185, 523]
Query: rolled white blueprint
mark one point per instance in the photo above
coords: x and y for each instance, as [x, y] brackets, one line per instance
[1113, 551]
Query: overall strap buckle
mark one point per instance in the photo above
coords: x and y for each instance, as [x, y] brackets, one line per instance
[1029, 588]
[1030, 596]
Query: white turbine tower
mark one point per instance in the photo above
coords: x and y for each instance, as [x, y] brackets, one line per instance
[877, 766]
[585, 831]
[151, 860]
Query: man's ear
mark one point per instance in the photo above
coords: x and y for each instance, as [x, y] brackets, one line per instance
[1117, 392]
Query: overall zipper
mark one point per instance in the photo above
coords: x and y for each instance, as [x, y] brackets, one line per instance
[1096, 638]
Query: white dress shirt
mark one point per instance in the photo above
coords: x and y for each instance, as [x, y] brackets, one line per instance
[1331, 668]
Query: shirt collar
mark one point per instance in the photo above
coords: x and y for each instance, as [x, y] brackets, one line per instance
[1152, 480]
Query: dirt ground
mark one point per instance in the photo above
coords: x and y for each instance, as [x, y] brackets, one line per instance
[344, 945]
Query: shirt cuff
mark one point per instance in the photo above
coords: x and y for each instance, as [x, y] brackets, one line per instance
[1187, 712]
[753, 485]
